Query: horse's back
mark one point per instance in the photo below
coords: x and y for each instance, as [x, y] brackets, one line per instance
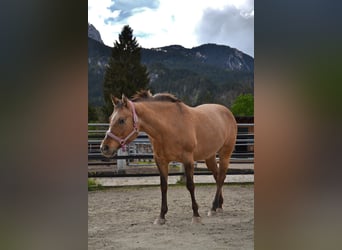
[214, 115]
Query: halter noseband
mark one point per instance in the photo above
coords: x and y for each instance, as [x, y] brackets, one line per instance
[135, 128]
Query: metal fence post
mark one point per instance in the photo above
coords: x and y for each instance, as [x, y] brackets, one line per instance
[121, 163]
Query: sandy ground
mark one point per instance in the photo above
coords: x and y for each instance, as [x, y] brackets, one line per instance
[122, 218]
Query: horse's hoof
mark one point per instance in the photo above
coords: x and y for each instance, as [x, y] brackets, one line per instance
[196, 220]
[219, 210]
[159, 221]
[211, 213]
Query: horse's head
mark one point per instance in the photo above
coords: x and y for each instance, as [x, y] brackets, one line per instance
[122, 128]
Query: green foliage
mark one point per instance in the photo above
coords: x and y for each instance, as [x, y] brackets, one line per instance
[92, 115]
[194, 88]
[96, 114]
[124, 74]
[92, 185]
[243, 105]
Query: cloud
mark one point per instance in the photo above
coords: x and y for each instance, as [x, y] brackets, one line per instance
[128, 8]
[229, 26]
[188, 23]
[109, 17]
[133, 4]
[98, 11]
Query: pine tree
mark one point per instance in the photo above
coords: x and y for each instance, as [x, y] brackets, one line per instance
[124, 74]
[92, 115]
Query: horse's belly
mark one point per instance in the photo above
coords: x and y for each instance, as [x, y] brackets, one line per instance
[201, 156]
[203, 152]
[182, 154]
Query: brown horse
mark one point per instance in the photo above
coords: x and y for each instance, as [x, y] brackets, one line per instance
[177, 133]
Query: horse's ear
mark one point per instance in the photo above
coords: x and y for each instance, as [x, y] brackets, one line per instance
[115, 100]
[124, 100]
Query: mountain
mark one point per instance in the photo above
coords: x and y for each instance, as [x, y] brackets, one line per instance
[215, 55]
[203, 74]
[94, 33]
[98, 56]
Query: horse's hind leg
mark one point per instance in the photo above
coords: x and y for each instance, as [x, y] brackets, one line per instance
[220, 177]
[224, 155]
[212, 166]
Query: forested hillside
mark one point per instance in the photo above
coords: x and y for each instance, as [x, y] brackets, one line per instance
[207, 73]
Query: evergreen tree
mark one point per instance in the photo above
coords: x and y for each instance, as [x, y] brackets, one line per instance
[124, 74]
[92, 115]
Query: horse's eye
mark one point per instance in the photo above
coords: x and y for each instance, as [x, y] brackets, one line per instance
[121, 121]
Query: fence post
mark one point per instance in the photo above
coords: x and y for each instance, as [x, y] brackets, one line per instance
[121, 163]
[182, 178]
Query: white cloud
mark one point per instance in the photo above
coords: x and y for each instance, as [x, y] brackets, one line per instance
[160, 24]
[230, 26]
[98, 11]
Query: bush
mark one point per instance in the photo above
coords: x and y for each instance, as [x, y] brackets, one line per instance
[243, 105]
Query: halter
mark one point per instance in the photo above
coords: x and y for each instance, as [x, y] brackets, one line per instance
[135, 129]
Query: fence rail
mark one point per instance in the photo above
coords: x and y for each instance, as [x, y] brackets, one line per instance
[139, 152]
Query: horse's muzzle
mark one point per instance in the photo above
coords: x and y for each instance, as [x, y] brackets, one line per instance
[107, 151]
[104, 148]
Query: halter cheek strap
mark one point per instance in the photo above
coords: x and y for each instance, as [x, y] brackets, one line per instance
[123, 141]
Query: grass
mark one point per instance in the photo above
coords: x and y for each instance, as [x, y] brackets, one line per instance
[92, 185]
[177, 185]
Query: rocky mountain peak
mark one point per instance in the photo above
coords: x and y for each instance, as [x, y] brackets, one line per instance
[94, 33]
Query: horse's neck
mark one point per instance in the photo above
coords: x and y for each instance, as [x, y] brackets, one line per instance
[149, 115]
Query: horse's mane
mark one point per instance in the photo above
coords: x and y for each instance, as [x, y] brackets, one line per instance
[145, 95]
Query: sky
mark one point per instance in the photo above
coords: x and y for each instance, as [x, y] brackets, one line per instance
[190, 23]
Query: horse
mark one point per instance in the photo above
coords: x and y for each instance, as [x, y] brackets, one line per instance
[178, 133]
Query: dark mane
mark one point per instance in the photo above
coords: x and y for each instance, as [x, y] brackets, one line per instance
[165, 97]
[142, 95]
[145, 95]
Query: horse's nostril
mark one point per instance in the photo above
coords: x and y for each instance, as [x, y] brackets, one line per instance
[104, 148]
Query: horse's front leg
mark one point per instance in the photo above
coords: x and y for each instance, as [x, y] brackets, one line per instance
[163, 170]
[189, 172]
